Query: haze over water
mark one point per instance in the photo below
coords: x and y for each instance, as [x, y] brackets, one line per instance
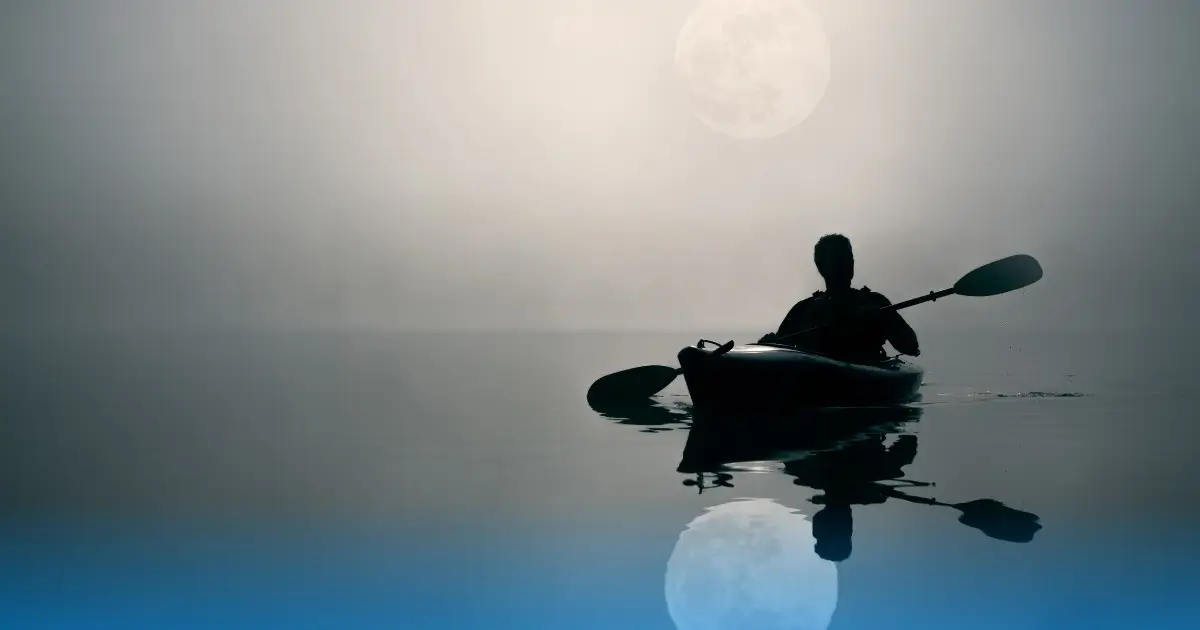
[293, 301]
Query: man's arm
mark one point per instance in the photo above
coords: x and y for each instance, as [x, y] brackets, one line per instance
[902, 337]
[796, 320]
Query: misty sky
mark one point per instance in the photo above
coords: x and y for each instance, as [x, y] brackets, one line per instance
[534, 163]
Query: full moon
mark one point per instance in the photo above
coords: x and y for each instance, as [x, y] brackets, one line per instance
[753, 68]
[750, 564]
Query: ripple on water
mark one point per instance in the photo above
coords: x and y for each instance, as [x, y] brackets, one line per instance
[1044, 395]
[954, 397]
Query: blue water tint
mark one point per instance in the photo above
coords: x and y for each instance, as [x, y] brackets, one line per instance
[130, 580]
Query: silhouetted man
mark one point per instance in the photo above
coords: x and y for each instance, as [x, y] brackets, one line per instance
[857, 339]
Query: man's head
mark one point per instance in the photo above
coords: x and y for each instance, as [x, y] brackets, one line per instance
[833, 529]
[835, 260]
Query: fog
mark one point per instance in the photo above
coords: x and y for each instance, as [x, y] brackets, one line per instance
[534, 164]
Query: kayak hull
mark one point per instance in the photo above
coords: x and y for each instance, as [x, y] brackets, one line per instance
[768, 376]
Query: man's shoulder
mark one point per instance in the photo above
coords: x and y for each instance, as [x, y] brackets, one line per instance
[816, 296]
[804, 308]
[873, 297]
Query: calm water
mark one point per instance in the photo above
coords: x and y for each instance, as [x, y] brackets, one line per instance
[312, 480]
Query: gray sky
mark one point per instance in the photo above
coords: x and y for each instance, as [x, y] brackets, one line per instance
[534, 163]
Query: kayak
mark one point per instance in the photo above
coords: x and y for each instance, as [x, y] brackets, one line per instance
[764, 375]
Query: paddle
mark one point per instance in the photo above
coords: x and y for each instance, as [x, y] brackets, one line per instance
[994, 278]
[987, 515]
[997, 277]
[636, 383]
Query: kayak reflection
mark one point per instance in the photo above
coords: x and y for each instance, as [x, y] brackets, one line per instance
[846, 456]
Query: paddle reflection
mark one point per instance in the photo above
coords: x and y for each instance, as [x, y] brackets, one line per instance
[851, 456]
[651, 415]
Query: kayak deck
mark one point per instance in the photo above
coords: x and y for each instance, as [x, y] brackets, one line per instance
[773, 376]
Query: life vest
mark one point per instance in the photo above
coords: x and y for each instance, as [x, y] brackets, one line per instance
[859, 337]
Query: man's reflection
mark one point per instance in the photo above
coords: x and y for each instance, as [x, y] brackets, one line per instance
[846, 456]
[848, 477]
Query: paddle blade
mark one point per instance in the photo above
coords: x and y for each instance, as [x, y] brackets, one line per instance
[998, 520]
[631, 384]
[1001, 276]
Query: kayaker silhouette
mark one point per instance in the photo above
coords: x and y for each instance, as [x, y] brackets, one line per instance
[857, 339]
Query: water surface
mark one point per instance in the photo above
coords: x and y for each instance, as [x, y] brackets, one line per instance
[372, 480]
